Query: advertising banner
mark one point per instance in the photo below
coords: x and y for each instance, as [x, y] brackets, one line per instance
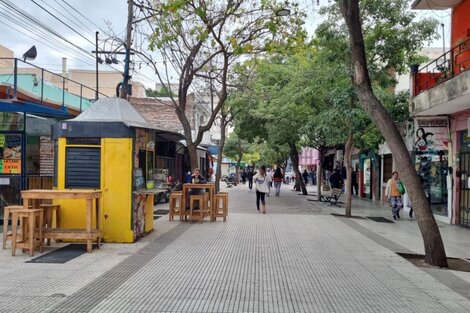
[10, 154]
[431, 134]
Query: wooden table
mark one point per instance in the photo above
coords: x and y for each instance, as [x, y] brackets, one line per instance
[209, 186]
[34, 196]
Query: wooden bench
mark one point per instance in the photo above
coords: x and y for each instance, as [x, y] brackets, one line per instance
[333, 197]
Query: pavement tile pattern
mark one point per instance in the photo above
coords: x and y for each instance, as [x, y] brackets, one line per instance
[296, 258]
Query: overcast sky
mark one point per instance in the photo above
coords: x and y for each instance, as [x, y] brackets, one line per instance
[17, 34]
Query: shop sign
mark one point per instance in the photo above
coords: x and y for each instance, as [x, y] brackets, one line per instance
[10, 166]
[431, 134]
[10, 154]
[46, 156]
[464, 142]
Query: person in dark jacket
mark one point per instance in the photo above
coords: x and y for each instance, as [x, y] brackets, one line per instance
[249, 176]
[336, 181]
[305, 177]
[354, 185]
[196, 178]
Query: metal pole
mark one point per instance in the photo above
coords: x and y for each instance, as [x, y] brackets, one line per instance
[15, 79]
[124, 89]
[443, 39]
[96, 52]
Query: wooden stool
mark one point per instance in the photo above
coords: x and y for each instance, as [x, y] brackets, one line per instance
[49, 211]
[6, 216]
[176, 197]
[221, 197]
[198, 214]
[31, 237]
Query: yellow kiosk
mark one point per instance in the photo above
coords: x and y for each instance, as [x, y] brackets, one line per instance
[109, 147]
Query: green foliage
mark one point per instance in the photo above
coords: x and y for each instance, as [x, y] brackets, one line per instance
[163, 92]
[235, 147]
[393, 39]
[303, 93]
[393, 36]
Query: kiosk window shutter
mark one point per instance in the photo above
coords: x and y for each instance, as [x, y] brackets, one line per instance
[82, 169]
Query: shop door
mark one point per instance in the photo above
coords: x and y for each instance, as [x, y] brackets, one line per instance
[11, 169]
[465, 189]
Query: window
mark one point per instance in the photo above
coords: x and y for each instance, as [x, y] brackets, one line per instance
[82, 167]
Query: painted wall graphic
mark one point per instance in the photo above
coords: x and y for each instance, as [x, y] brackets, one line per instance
[431, 134]
[10, 154]
[367, 177]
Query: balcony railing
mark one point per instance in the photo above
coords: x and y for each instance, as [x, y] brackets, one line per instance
[25, 82]
[445, 67]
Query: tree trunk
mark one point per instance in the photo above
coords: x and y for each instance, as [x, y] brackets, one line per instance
[347, 164]
[433, 245]
[218, 173]
[193, 159]
[236, 181]
[321, 155]
[299, 182]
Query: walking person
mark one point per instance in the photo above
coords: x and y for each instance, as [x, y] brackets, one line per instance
[277, 178]
[269, 173]
[261, 180]
[305, 177]
[354, 185]
[249, 176]
[393, 192]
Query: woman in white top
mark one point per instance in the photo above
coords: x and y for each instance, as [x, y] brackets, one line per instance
[261, 181]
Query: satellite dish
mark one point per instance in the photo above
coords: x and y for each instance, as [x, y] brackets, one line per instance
[30, 54]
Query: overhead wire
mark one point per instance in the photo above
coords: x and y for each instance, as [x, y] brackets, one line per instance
[83, 25]
[33, 28]
[26, 15]
[61, 21]
[85, 17]
[48, 41]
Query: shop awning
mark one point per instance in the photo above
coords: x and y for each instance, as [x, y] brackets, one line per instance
[163, 135]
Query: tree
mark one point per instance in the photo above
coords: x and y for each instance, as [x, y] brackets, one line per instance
[235, 148]
[278, 108]
[433, 244]
[392, 41]
[204, 40]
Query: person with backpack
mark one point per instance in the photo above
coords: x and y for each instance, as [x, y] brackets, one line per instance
[277, 178]
[393, 192]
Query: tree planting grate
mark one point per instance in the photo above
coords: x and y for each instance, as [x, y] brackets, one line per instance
[379, 219]
[455, 264]
[353, 216]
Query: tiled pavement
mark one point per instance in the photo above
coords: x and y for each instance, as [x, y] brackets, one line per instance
[296, 258]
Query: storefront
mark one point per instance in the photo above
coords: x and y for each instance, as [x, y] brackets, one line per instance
[431, 146]
[369, 167]
[463, 160]
[461, 174]
[26, 155]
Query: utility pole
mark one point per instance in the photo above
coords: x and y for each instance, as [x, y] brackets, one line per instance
[125, 87]
[97, 61]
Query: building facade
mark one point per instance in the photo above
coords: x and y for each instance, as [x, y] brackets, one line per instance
[440, 108]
